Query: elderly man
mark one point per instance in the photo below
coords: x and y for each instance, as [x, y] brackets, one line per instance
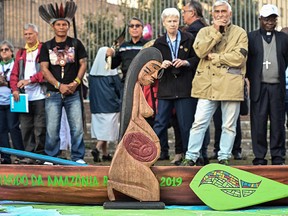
[26, 76]
[266, 65]
[219, 80]
[193, 17]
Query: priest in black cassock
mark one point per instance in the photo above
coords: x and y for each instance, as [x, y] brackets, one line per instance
[266, 65]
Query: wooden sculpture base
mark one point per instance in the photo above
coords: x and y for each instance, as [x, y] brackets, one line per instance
[134, 205]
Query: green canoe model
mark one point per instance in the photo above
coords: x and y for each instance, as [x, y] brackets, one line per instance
[226, 188]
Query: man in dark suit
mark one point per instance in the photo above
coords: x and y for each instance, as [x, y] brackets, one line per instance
[266, 65]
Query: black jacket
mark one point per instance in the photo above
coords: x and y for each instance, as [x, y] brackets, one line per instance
[173, 86]
[256, 59]
[195, 27]
[124, 56]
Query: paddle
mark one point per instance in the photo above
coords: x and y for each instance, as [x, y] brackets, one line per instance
[41, 157]
[226, 188]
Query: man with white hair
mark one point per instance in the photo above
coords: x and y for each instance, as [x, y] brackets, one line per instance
[219, 81]
[27, 76]
[266, 65]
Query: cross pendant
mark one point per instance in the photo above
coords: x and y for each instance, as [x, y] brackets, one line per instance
[266, 63]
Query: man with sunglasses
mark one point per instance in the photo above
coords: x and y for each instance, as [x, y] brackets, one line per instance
[266, 65]
[129, 49]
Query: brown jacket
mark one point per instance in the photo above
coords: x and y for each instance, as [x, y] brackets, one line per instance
[223, 77]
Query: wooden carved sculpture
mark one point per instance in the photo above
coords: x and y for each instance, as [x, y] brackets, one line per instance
[139, 147]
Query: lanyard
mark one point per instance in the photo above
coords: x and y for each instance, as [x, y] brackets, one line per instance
[174, 46]
[7, 69]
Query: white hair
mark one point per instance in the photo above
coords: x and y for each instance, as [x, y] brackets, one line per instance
[221, 2]
[30, 25]
[169, 12]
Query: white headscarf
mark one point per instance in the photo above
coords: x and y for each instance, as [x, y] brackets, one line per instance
[98, 67]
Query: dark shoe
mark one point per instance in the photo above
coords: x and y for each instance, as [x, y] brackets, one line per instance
[164, 156]
[277, 161]
[224, 162]
[39, 162]
[200, 162]
[5, 161]
[237, 156]
[178, 163]
[187, 162]
[206, 161]
[107, 157]
[259, 161]
[96, 155]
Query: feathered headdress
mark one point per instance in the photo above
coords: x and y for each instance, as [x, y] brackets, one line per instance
[50, 14]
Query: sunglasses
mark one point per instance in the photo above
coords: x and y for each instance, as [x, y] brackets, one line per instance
[5, 49]
[132, 26]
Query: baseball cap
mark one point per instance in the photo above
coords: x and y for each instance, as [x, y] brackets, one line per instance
[268, 10]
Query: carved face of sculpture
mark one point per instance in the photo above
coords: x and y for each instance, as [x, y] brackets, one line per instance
[149, 72]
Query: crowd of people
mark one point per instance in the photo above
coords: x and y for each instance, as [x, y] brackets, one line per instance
[203, 73]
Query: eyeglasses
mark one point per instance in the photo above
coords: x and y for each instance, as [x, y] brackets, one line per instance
[132, 26]
[5, 49]
[185, 11]
[160, 74]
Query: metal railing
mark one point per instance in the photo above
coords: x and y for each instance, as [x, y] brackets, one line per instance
[99, 21]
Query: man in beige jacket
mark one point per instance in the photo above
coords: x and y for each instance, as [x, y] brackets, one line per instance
[219, 80]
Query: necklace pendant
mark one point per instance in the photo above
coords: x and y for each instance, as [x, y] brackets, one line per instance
[266, 63]
[62, 62]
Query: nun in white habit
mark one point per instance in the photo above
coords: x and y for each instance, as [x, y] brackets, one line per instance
[104, 94]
